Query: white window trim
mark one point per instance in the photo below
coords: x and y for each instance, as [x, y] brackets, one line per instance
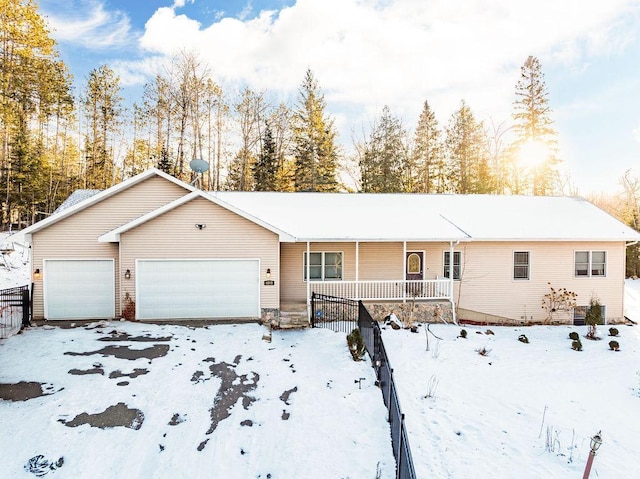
[444, 255]
[590, 263]
[513, 269]
[304, 267]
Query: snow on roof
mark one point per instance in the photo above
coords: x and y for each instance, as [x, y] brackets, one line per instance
[413, 217]
[74, 198]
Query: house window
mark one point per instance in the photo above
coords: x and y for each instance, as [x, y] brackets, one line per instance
[323, 266]
[520, 265]
[590, 263]
[456, 264]
[580, 315]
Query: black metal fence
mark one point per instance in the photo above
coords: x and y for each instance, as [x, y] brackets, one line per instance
[372, 336]
[343, 315]
[337, 314]
[15, 310]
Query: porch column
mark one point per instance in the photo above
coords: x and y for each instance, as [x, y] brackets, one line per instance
[308, 280]
[451, 283]
[404, 271]
[357, 269]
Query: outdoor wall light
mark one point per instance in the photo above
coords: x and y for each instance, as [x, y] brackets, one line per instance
[127, 274]
[201, 226]
[36, 274]
[268, 275]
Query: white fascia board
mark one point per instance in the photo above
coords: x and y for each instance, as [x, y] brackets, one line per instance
[384, 240]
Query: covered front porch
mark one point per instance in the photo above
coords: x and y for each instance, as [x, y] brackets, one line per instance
[371, 271]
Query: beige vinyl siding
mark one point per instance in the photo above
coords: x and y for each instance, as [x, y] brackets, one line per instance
[381, 261]
[227, 235]
[487, 283]
[294, 288]
[76, 236]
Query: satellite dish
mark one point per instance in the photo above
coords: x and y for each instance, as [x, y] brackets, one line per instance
[198, 165]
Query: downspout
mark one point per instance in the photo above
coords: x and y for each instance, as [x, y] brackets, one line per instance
[308, 282]
[451, 283]
[358, 270]
[404, 270]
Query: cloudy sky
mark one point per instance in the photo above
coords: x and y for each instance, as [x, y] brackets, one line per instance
[370, 53]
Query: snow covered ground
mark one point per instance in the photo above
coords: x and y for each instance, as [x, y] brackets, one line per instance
[220, 402]
[292, 408]
[523, 410]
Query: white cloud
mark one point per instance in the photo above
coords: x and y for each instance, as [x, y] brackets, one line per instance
[366, 53]
[91, 26]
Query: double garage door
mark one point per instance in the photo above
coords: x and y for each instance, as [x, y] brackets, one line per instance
[193, 289]
[166, 289]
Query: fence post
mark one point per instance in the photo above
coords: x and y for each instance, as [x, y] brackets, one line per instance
[25, 308]
[399, 456]
[313, 310]
[389, 394]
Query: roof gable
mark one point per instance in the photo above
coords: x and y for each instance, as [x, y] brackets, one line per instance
[86, 200]
[113, 236]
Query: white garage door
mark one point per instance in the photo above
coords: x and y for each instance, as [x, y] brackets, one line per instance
[79, 289]
[192, 289]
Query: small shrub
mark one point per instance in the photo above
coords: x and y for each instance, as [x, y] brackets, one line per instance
[483, 351]
[558, 300]
[575, 336]
[593, 317]
[523, 339]
[463, 333]
[576, 345]
[613, 332]
[614, 345]
[129, 308]
[356, 345]
[489, 332]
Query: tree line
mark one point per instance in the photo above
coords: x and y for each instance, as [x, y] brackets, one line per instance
[54, 142]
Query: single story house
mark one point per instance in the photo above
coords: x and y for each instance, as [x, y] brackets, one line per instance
[176, 252]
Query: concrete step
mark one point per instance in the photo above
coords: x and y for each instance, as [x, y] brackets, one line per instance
[293, 320]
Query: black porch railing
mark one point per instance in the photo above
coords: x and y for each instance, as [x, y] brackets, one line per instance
[372, 336]
[15, 309]
[337, 314]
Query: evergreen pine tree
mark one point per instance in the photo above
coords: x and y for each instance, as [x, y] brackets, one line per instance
[468, 166]
[382, 166]
[315, 151]
[427, 153]
[534, 127]
[266, 168]
[164, 163]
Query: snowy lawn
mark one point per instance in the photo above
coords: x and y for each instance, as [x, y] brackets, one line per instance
[523, 410]
[215, 401]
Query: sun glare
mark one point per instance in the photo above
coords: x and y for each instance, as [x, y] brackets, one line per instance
[533, 153]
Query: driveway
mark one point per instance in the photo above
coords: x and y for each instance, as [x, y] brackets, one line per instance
[122, 399]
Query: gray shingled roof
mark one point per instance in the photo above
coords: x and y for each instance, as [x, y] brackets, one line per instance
[75, 198]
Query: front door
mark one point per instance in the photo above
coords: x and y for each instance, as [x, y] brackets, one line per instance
[415, 260]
